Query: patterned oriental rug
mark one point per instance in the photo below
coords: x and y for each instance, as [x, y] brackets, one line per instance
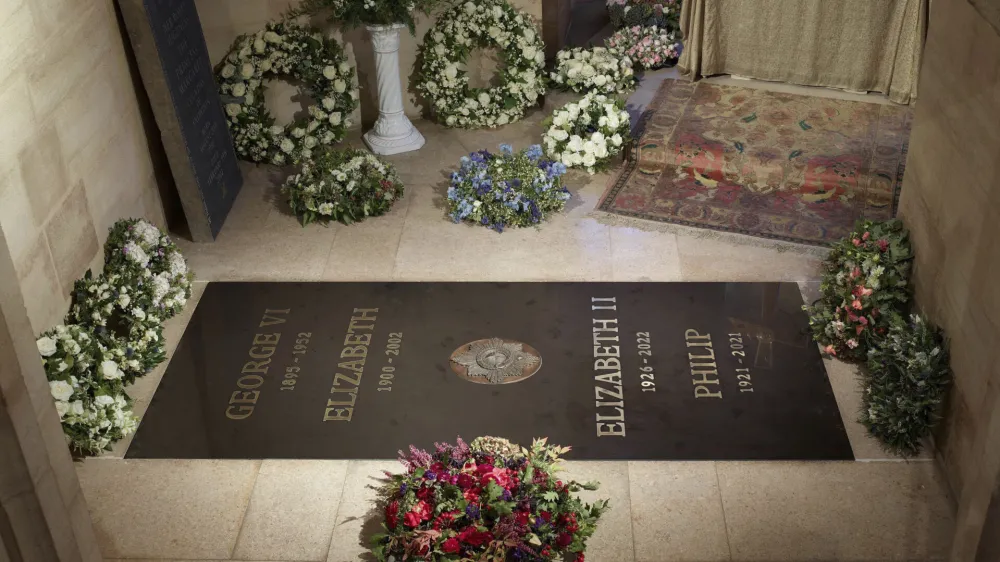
[773, 165]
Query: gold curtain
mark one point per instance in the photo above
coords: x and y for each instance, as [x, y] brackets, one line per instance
[872, 45]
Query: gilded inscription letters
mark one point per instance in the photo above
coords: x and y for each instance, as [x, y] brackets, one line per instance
[609, 398]
[243, 401]
[347, 379]
[704, 372]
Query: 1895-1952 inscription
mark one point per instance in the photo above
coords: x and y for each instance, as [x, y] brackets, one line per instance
[619, 371]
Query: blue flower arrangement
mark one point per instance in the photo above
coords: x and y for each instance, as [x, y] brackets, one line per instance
[506, 189]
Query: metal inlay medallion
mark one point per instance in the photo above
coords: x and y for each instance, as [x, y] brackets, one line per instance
[495, 361]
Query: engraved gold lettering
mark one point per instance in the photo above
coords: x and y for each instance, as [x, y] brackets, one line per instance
[340, 408]
[261, 352]
[356, 365]
[353, 392]
[248, 397]
[342, 377]
[613, 378]
[270, 319]
[704, 392]
[612, 363]
[704, 371]
[256, 366]
[610, 351]
[616, 429]
[364, 339]
[599, 392]
[355, 351]
[249, 381]
[243, 412]
[338, 414]
[266, 339]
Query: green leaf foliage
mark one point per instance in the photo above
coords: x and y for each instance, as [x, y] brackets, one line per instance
[865, 288]
[904, 384]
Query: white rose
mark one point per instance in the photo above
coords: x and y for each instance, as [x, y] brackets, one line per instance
[439, 50]
[61, 390]
[62, 408]
[272, 37]
[335, 118]
[233, 109]
[451, 71]
[470, 8]
[589, 160]
[46, 346]
[139, 313]
[239, 90]
[287, 145]
[438, 36]
[575, 143]
[104, 400]
[310, 142]
[258, 45]
[265, 65]
[298, 132]
[616, 140]
[246, 70]
[110, 370]
[560, 134]
[330, 72]
[529, 35]
[76, 407]
[528, 52]
[497, 12]
[340, 86]
[600, 80]
[344, 67]
[276, 130]
[484, 98]
[228, 71]
[123, 300]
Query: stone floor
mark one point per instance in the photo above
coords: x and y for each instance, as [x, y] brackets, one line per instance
[880, 508]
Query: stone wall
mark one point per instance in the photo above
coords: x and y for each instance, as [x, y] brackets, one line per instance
[73, 150]
[951, 203]
[224, 20]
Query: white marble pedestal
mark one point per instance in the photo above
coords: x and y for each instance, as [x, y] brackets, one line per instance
[393, 132]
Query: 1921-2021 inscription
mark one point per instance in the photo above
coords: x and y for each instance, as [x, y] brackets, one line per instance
[618, 371]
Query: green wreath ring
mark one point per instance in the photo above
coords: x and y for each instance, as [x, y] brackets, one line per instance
[485, 24]
[284, 50]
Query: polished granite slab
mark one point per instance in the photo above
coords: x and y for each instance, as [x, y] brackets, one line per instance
[637, 371]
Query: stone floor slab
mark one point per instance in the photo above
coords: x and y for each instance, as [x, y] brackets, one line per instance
[836, 511]
[706, 257]
[357, 517]
[677, 512]
[292, 510]
[167, 508]
[613, 540]
[639, 255]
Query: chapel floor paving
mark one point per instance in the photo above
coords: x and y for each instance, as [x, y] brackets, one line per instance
[308, 510]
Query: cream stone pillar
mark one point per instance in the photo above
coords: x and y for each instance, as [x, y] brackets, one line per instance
[393, 132]
[43, 515]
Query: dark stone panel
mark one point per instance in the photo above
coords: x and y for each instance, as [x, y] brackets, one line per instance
[709, 371]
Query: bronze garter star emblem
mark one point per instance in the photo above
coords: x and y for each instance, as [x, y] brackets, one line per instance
[495, 361]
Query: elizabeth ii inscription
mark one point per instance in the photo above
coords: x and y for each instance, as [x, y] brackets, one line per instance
[718, 371]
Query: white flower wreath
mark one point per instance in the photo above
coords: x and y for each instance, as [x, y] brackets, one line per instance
[588, 133]
[482, 24]
[597, 69]
[283, 49]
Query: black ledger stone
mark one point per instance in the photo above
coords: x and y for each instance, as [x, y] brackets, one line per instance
[173, 60]
[669, 371]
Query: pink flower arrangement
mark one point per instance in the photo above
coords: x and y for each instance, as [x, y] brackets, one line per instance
[649, 47]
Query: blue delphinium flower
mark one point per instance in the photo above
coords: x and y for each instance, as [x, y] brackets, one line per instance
[506, 189]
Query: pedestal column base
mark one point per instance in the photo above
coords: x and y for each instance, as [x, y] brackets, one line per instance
[404, 138]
